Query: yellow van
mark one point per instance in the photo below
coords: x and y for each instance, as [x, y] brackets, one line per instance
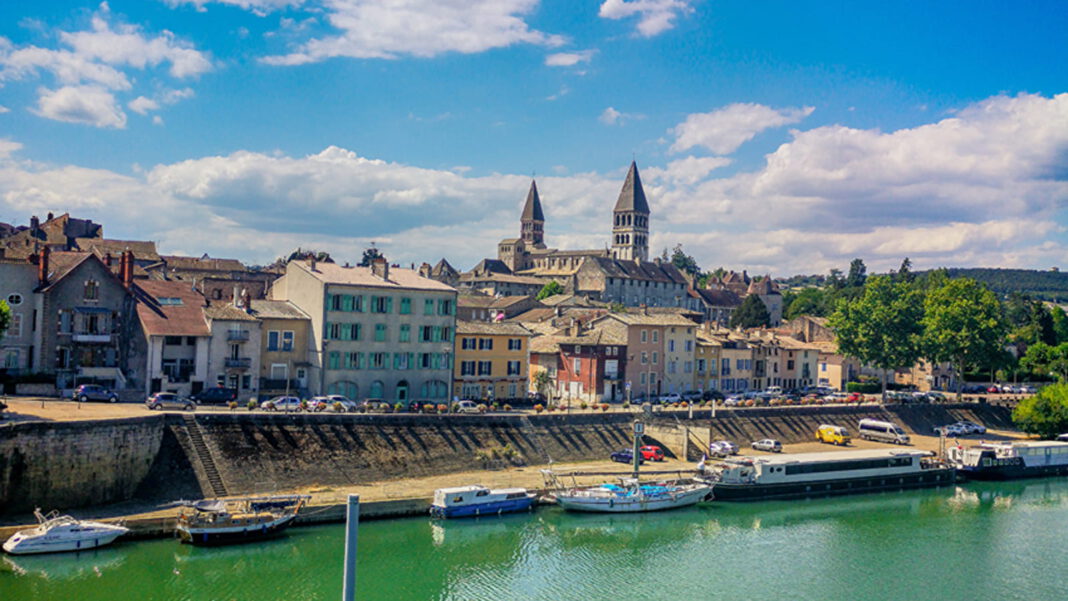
[832, 435]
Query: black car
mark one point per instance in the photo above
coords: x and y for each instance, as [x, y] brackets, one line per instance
[625, 456]
[713, 395]
[218, 394]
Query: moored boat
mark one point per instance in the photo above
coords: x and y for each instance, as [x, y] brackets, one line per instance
[55, 532]
[476, 500]
[238, 520]
[825, 474]
[1011, 459]
[629, 496]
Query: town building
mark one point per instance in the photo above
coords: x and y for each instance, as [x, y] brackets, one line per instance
[56, 233]
[648, 337]
[176, 333]
[18, 283]
[285, 352]
[480, 307]
[235, 346]
[585, 363]
[492, 361]
[379, 332]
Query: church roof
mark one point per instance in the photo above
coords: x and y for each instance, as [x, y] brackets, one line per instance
[532, 208]
[632, 196]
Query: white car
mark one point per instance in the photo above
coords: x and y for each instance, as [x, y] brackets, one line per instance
[466, 407]
[769, 445]
[327, 402]
[723, 448]
[971, 427]
[951, 430]
[672, 397]
[281, 403]
[732, 401]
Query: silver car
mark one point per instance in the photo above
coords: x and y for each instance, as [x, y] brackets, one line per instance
[169, 400]
[769, 445]
[282, 403]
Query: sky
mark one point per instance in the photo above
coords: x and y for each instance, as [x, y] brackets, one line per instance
[777, 137]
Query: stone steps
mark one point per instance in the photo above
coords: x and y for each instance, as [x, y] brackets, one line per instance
[211, 471]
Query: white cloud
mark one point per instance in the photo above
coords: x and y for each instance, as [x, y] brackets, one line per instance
[564, 91]
[125, 45]
[157, 120]
[4, 109]
[568, 59]
[7, 147]
[610, 116]
[420, 28]
[257, 7]
[722, 131]
[91, 105]
[66, 66]
[142, 105]
[656, 16]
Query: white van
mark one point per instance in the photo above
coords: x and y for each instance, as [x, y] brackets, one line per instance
[872, 429]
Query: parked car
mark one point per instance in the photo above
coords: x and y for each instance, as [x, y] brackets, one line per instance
[732, 401]
[769, 445]
[92, 392]
[169, 400]
[993, 390]
[971, 427]
[950, 430]
[216, 395]
[713, 395]
[625, 456]
[726, 447]
[836, 435]
[466, 407]
[691, 395]
[281, 403]
[671, 397]
[326, 403]
[651, 452]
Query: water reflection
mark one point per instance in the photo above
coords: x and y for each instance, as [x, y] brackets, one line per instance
[66, 566]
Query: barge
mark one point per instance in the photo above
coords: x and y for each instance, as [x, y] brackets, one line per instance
[826, 474]
[477, 500]
[1011, 459]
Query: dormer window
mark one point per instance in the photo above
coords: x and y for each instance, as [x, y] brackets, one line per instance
[92, 290]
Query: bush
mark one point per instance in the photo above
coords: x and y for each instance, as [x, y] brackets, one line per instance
[482, 408]
[684, 404]
[494, 406]
[584, 405]
[443, 408]
[304, 405]
[1044, 414]
[338, 407]
[398, 407]
[456, 407]
[539, 408]
[604, 406]
[507, 407]
[864, 387]
[429, 408]
[252, 404]
[626, 404]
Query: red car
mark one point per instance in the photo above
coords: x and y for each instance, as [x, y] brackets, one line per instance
[652, 453]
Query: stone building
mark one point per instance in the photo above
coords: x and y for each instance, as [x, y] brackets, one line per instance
[492, 361]
[18, 282]
[56, 233]
[235, 345]
[378, 332]
[285, 352]
[176, 332]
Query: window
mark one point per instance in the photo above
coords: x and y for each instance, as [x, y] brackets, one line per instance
[405, 333]
[576, 366]
[687, 367]
[424, 360]
[689, 346]
[445, 307]
[380, 332]
[468, 344]
[428, 307]
[671, 346]
[402, 361]
[425, 333]
[513, 368]
[376, 389]
[823, 367]
[272, 340]
[467, 368]
[14, 329]
[725, 367]
[645, 336]
[643, 378]
[611, 351]
[11, 358]
[485, 344]
[701, 366]
[334, 360]
[377, 360]
[656, 356]
[645, 357]
[172, 340]
[406, 306]
[656, 336]
[91, 290]
[381, 304]
[287, 338]
[485, 368]
[789, 364]
[515, 344]
[671, 366]
[14, 299]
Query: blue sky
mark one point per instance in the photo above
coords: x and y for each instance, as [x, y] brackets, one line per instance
[783, 137]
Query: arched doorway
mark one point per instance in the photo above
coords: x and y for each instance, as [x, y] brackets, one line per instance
[376, 389]
[402, 391]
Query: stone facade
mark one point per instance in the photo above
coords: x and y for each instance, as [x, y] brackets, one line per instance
[492, 361]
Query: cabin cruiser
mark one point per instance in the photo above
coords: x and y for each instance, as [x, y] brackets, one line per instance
[55, 532]
[629, 496]
[1010, 459]
[475, 500]
[824, 474]
[237, 520]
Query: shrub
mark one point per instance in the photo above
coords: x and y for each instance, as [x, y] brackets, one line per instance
[494, 406]
[1044, 414]
[232, 405]
[864, 387]
[252, 404]
[684, 404]
[507, 407]
[304, 405]
[584, 405]
[398, 407]
[749, 402]
[604, 406]
[539, 408]
[443, 408]
[429, 408]
[482, 408]
[626, 404]
[338, 407]
[456, 407]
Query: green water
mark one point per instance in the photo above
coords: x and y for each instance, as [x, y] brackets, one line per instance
[979, 541]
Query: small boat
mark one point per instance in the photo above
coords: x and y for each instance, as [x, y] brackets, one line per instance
[475, 500]
[237, 520]
[629, 496]
[55, 532]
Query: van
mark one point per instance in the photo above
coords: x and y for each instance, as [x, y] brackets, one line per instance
[871, 429]
[829, 434]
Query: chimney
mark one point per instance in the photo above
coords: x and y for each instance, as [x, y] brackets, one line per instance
[645, 308]
[50, 216]
[312, 262]
[235, 299]
[247, 299]
[380, 268]
[35, 224]
[574, 328]
[107, 259]
[42, 266]
[127, 272]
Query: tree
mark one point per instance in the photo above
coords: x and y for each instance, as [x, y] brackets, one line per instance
[369, 255]
[1060, 323]
[5, 317]
[684, 262]
[549, 289]
[857, 274]
[835, 279]
[303, 255]
[904, 273]
[809, 301]
[882, 327]
[750, 314]
[1046, 413]
[1043, 359]
[963, 324]
[543, 383]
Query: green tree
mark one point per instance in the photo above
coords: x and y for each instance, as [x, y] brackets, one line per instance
[882, 327]
[1060, 323]
[857, 274]
[684, 262]
[904, 273]
[750, 314]
[1046, 413]
[5, 317]
[809, 301]
[963, 324]
[549, 289]
[835, 279]
[1043, 359]
[369, 255]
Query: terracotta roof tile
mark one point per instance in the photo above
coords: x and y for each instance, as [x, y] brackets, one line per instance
[181, 317]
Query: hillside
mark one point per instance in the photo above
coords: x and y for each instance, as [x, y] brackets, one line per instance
[1040, 285]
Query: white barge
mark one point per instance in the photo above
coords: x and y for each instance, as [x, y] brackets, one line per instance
[1011, 459]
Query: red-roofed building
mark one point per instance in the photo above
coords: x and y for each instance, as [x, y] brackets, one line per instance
[176, 334]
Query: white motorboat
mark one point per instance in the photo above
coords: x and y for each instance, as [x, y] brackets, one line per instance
[631, 496]
[55, 532]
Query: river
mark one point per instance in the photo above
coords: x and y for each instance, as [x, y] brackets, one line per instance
[977, 541]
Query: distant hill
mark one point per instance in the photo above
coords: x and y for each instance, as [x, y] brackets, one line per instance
[1040, 285]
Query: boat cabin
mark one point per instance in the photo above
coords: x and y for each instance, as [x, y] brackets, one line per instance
[811, 467]
[474, 495]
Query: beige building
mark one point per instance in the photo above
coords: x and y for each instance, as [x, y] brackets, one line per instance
[285, 354]
[379, 332]
[492, 361]
[653, 342]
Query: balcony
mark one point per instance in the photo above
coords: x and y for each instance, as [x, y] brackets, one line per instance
[239, 363]
[237, 335]
[97, 338]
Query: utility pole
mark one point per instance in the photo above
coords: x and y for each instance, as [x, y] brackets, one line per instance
[639, 429]
[352, 523]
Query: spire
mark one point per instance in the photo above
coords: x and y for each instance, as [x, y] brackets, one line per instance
[532, 208]
[632, 196]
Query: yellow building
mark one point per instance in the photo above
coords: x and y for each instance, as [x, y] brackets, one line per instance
[706, 361]
[492, 361]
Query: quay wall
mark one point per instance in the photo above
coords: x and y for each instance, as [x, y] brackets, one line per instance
[153, 459]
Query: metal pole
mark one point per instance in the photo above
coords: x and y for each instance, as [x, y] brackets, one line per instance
[352, 523]
[639, 429]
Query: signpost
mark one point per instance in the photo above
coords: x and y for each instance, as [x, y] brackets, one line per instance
[639, 430]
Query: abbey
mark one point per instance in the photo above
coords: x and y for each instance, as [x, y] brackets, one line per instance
[619, 273]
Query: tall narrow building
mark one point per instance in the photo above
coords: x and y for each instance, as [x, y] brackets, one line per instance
[533, 220]
[630, 220]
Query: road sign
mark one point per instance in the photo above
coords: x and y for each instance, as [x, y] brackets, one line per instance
[639, 428]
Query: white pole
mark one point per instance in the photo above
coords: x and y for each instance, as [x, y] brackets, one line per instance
[352, 523]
